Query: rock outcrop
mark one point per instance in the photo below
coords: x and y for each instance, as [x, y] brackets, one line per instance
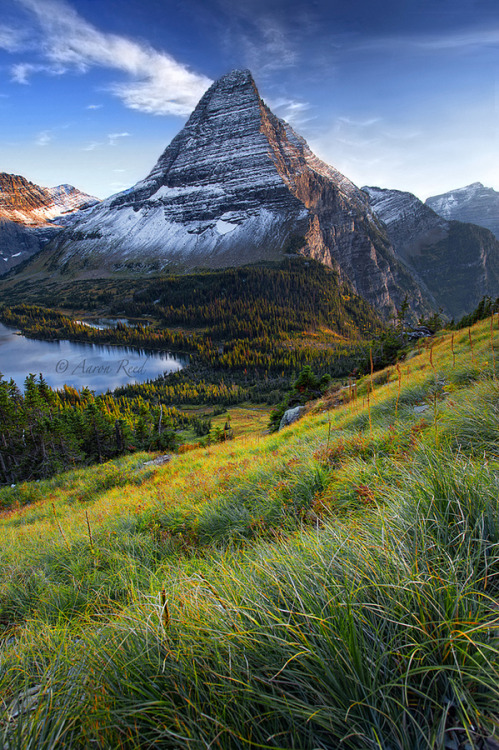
[290, 416]
[30, 216]
[458, 263]
[238, 186]
[474, 203]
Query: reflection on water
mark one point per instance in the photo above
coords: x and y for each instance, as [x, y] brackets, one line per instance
[97, 367]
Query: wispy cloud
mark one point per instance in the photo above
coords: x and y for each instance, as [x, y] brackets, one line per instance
[264, 36]
[94, 106]
[458, 40]
[44, 138]
[114, 137]
[22, 71]
[158, 83]
[359, 123]
[92, 146]
[293, 111]
[11, 39]
[271, 47]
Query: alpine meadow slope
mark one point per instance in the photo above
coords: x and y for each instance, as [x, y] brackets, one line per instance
[331, 585]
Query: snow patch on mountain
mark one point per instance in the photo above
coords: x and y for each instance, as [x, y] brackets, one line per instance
[474, 203]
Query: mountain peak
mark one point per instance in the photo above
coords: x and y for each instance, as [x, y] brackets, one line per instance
[235, 77]
[474, 203]
[236, 186]
[27, 214]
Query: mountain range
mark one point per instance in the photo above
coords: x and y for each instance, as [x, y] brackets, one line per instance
[238, 186]
[474, 203]
[30, 216]
[455, 262]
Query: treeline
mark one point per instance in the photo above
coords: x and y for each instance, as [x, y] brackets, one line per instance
[485, 308]
[42, 323]
[256, 302]
[43, 431]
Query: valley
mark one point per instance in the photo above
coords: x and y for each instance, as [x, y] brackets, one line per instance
[289, 538]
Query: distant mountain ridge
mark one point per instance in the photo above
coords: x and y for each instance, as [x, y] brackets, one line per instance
[237, 186]
[31, 215]
[456, 262]
[26, 203]
[474, 203]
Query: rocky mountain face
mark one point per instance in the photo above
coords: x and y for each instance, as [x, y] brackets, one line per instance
[456, 262]
[30, 216]
[237, 186]
[475, 204]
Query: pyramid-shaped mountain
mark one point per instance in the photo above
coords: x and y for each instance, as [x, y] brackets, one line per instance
[237, 186]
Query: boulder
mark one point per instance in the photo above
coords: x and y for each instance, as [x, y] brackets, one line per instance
[290, 416]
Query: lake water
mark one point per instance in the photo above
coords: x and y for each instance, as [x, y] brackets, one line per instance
[99, 368]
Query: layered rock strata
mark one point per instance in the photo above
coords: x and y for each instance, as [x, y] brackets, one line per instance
[238, 186]
[457, 262]
[474, 203]
[30, 216]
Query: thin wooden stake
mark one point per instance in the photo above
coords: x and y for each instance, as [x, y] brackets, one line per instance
[369, 412]
[492, 346]
[398, 392]
[89, 532]
[431, 359]
[372, 366]
[165, 612]
[60, 528]
[471, 345]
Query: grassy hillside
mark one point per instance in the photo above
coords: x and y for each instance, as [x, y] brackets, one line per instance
[331, 585]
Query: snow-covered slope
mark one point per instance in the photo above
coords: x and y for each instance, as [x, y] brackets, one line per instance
[30, 216]
[236, 186]
[457, 262]
[474, 203]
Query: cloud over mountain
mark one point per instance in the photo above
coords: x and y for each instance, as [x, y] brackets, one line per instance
[158, 84]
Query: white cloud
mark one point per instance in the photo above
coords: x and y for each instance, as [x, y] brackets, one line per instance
[94, 106]
[291, 110]
[44, 138]
[22, 72]
[158, 83]
[92, 146]
[11, 39]
[113, 137]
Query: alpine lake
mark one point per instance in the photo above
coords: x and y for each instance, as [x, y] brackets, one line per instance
[100, 368]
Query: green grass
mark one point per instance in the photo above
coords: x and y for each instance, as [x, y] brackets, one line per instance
[331, 585]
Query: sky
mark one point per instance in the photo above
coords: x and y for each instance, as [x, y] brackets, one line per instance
[398, 94]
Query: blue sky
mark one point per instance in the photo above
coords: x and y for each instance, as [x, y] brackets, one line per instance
[401, 93]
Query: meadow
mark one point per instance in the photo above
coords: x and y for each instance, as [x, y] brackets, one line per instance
[331, 585]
